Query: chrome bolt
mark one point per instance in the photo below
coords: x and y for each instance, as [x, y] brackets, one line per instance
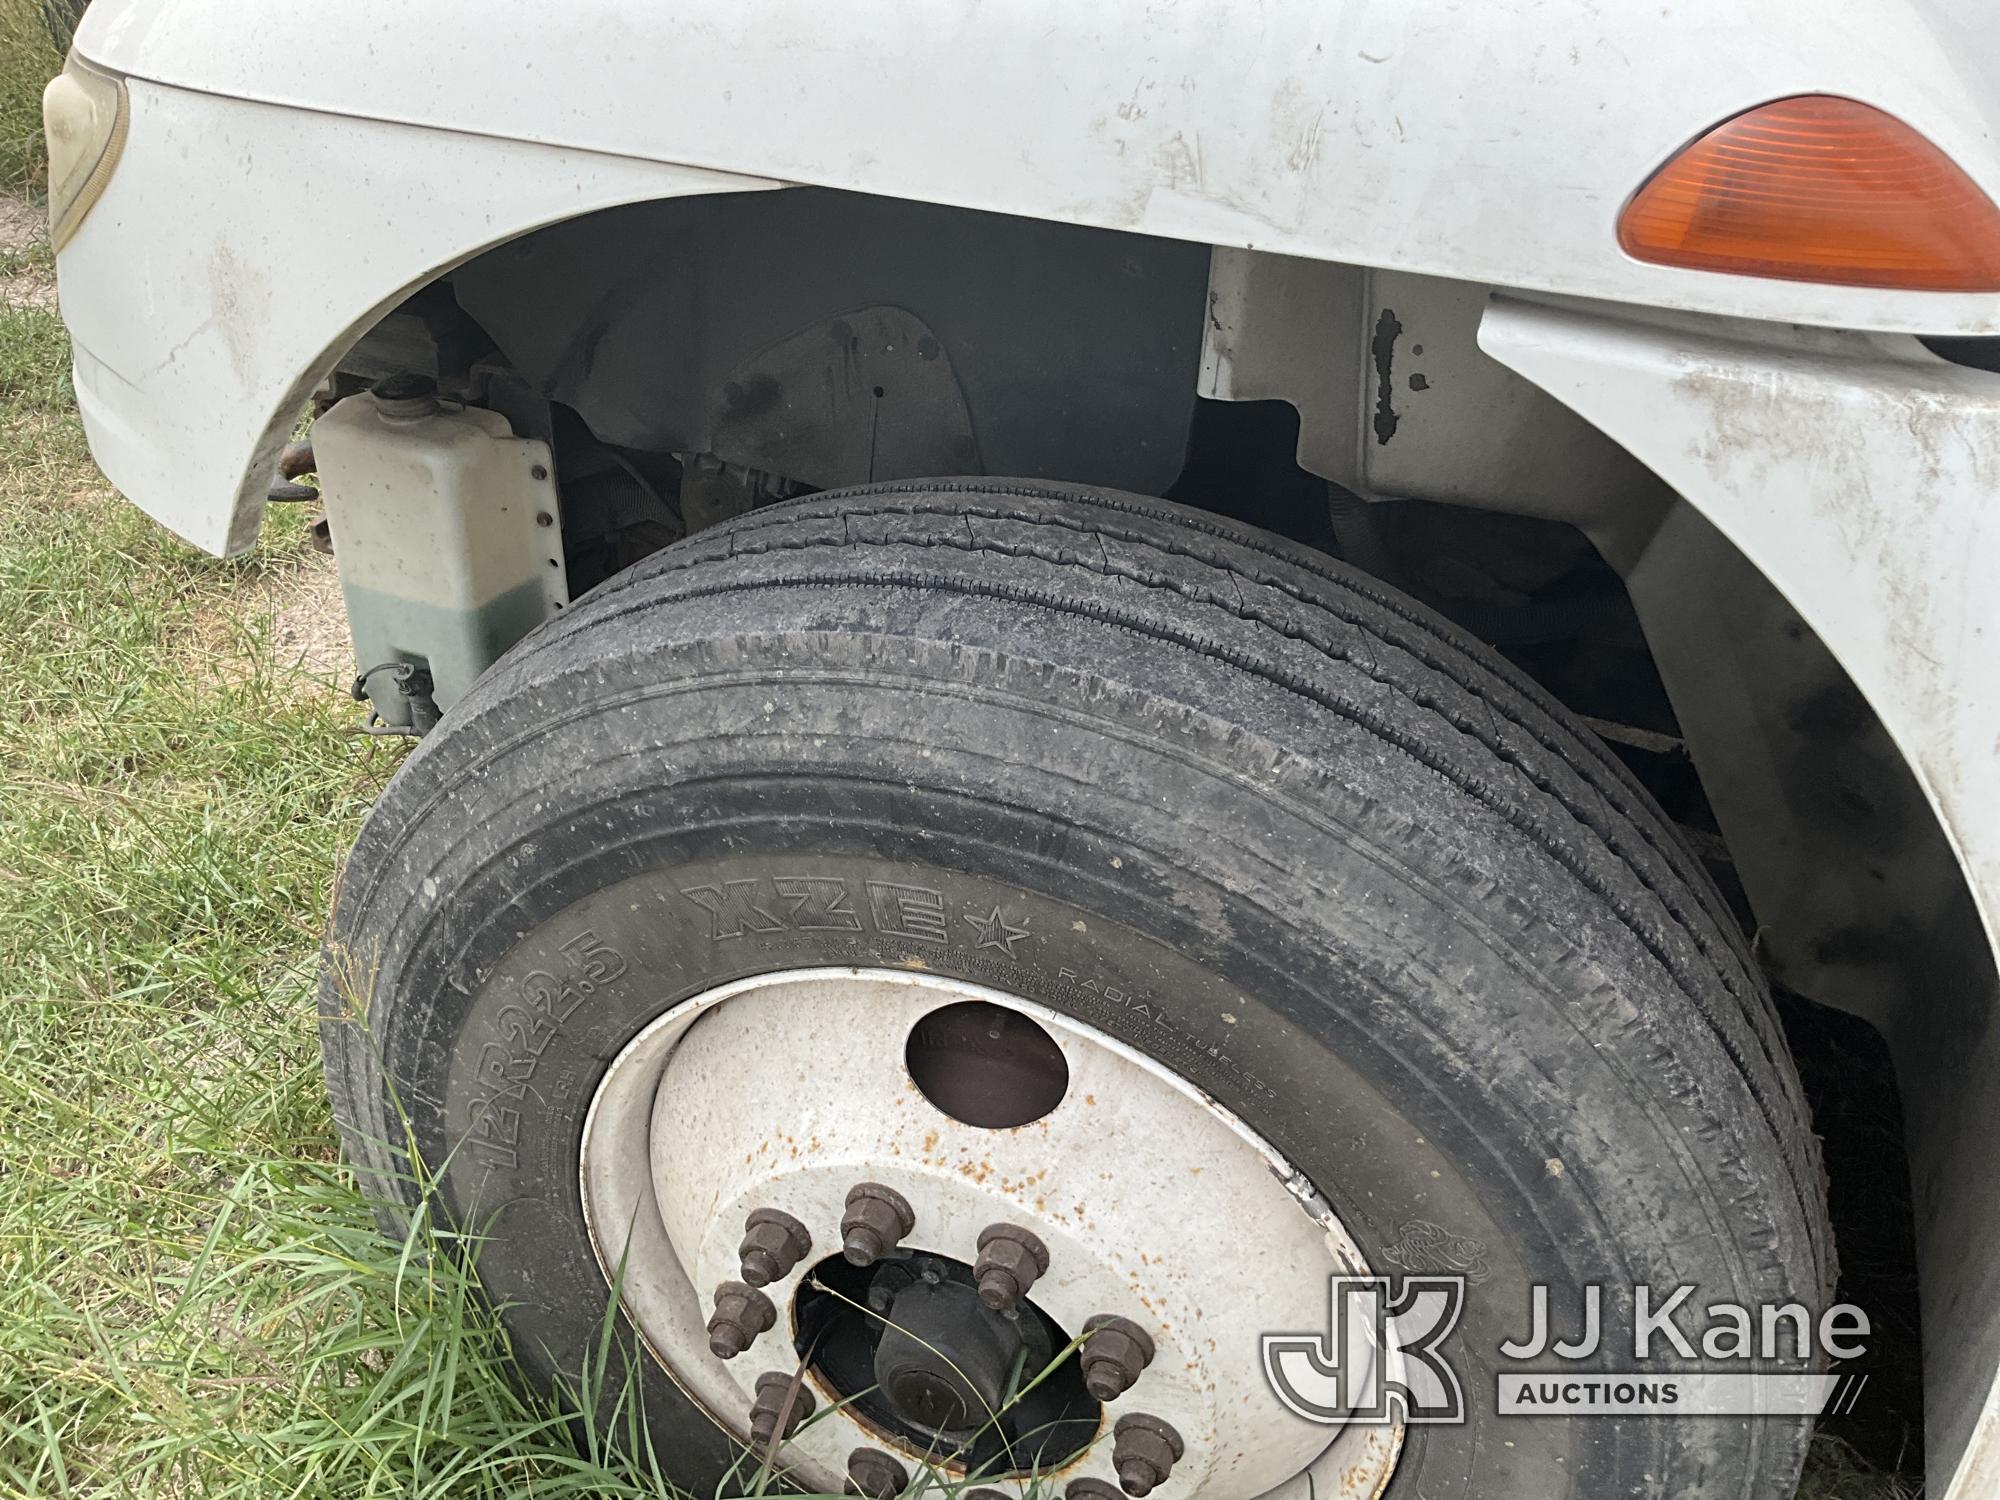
[773, 1242]
[873, 1473]
[741, 1313]
[1010, 1259]
[774, 1390]
[877, 1218]
[1144, 1451]
[1115, 1351]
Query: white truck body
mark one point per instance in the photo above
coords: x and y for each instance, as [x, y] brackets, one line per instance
[292, 174]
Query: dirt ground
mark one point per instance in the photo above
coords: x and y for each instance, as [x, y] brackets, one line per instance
[299, 606]
[27, 279]
[308, 624]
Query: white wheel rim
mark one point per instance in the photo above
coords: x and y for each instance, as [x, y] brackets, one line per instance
[794, 1088]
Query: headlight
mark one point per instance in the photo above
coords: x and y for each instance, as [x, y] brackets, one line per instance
[84, 115]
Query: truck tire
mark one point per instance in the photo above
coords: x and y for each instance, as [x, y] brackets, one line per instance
[1226, 820]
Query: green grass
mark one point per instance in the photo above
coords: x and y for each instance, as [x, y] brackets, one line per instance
[194, 1300]
[27, 60]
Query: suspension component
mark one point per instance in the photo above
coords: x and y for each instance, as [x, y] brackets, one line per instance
[1144, 1451]
[1010, 1258]
[773, 1242]
[872, 1473]
[1114, 1354]
[877, 1218]
[770, 1409]
[741, 1313]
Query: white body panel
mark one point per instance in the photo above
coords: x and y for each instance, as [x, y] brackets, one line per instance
[213, 307]
[1491, 142]
[1859, 473]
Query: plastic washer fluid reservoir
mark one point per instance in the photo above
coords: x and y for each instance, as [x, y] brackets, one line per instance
[447, 531]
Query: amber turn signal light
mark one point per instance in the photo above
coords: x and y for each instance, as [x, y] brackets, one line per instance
[1818, 189]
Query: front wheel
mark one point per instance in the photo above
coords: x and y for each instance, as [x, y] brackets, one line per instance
[1002, 949]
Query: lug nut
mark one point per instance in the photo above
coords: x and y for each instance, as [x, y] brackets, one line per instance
[873, 1473]
[1144, 1450]
[773, 1242]
[877, 1218]
[772, 1391]
[1091, 1489]
[1114, 1353]
[741, 1313]
[1010, 1259]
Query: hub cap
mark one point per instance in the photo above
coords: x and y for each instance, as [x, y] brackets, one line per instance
[978, 1129]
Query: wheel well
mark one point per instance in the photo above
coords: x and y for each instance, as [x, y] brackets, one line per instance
[834, 338]
[692, 358]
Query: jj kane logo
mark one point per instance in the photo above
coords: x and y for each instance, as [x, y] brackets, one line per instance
[1387, 1356]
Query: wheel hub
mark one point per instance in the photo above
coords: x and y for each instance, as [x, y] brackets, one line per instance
[972, 1289]
[910, 1344]
[942, 1360]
